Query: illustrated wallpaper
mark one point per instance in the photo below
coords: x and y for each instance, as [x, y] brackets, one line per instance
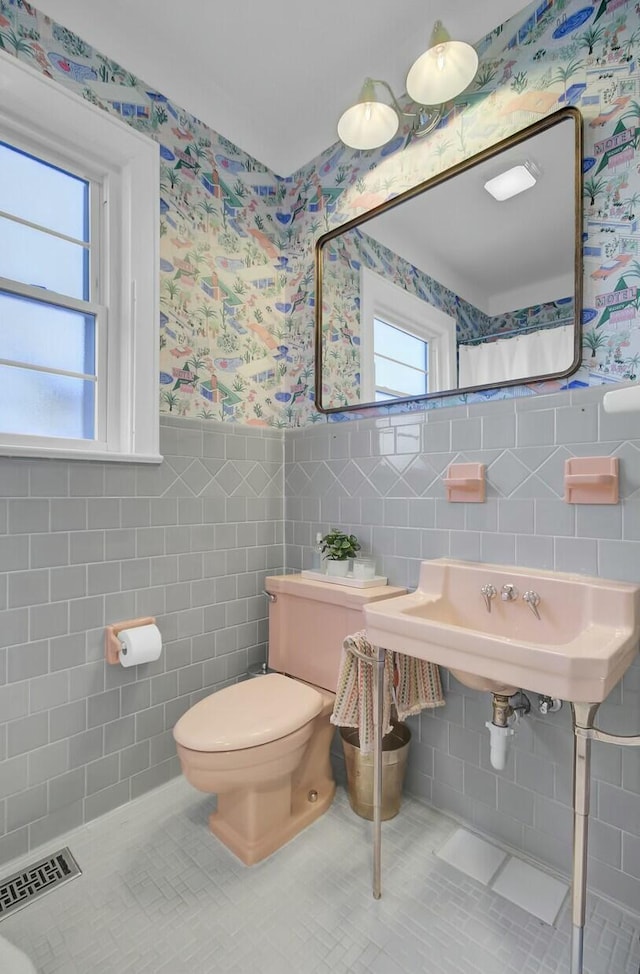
[342, 260]
[237, 241]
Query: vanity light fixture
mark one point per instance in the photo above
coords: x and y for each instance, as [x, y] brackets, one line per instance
[512, 181]
[444, 70]
[370, 122]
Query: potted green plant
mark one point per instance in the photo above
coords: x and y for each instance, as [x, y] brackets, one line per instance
[338, 547]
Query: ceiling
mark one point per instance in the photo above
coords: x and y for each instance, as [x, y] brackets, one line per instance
[273, 78]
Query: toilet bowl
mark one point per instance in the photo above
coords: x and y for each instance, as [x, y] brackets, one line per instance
[13, 960]
[263, 745]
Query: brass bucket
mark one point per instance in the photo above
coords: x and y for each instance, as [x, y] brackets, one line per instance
[395, 750]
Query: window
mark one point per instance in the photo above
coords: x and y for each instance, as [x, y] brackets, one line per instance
[408, 346]
[50, 317]
[78, 276]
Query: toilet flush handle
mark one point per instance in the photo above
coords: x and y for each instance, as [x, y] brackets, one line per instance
[270, 595]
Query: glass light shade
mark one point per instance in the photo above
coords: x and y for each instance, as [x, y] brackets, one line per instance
[510, 183]
[443, 71]
[368, 124]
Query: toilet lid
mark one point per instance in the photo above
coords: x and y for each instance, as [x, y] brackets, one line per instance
[248, 714]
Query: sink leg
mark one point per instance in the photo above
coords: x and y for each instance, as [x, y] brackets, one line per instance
[583, 719]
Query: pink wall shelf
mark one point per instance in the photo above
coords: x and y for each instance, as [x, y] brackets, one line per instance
[465, 483]
[591, 480]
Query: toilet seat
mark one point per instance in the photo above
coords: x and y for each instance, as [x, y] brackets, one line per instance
[248, 714]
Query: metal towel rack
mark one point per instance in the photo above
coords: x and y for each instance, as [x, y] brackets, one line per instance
[377, 662]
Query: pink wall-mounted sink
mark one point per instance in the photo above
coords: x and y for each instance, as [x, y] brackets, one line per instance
[584, 640]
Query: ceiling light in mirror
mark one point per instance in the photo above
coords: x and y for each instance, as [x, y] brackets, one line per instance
[511, 182]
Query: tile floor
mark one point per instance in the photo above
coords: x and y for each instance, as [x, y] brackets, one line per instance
[160, 895]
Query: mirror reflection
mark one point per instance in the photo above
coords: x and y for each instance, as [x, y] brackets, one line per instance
[470, 281]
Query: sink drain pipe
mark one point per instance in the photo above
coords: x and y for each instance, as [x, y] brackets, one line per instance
[500, 730]
[502, 727]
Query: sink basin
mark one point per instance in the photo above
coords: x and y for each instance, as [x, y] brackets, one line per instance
[584, 641]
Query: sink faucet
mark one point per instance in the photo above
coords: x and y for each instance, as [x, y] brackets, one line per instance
[488, 592]
[533, 601]
[509, 593]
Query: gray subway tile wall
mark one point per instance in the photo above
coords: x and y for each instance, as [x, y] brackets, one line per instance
[382, 479]
[86, 544]
[191, 540]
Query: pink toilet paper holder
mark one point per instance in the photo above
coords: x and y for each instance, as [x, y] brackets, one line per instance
[112, 645]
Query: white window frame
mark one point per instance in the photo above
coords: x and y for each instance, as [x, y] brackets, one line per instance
[57, 125]
[381, 298]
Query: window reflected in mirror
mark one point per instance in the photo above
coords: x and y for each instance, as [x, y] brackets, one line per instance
[400, 362]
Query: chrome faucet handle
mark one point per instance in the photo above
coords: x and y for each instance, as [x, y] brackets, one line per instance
[488, 592]
[509, 593]
[533, 601]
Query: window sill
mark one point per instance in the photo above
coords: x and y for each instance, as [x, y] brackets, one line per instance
[44, 453]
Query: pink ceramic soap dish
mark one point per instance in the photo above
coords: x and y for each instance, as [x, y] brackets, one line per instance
[591, 480]
[465, 483]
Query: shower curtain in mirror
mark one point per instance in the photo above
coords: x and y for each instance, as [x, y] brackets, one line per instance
[520, 357]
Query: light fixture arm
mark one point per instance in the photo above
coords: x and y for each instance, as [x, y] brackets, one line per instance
[428, 118]
[425, 119]
[385, 84]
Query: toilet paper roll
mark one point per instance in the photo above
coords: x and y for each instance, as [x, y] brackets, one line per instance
[140, 645]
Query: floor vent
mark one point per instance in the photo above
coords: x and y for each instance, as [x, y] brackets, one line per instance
[23, 887]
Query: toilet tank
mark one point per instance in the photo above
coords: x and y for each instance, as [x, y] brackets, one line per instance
[309, 620]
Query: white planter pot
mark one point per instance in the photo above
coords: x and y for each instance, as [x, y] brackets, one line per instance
[339, 568]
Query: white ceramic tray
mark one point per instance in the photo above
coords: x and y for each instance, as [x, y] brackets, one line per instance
[346, 579]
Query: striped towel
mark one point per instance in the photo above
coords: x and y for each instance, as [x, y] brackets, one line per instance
[409, 683]
[417, 685]
[353, 705]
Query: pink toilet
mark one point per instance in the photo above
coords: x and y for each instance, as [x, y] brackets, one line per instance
[263, 745]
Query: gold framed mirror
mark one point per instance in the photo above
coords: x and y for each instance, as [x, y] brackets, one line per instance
[455, 286]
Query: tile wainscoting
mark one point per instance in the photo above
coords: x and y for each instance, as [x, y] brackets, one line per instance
[382, 479]
[83, 544]
[191, 540]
